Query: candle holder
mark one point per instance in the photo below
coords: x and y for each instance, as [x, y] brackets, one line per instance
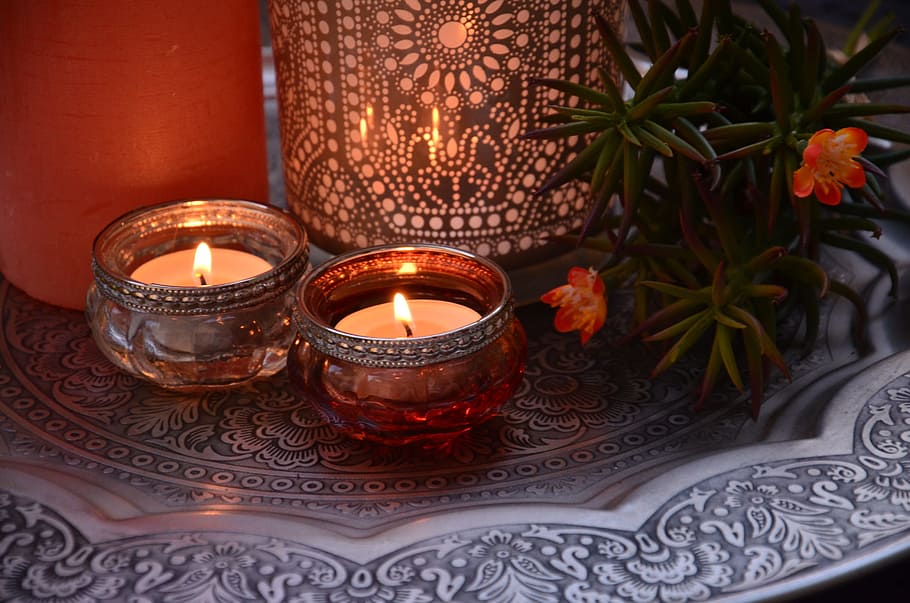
[412, 389]
[185, 337]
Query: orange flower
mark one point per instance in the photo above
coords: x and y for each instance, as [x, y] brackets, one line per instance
[828, 164]
[582, 305]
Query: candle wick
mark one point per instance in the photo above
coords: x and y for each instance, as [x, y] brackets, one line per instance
[202, 279]
[407, 329]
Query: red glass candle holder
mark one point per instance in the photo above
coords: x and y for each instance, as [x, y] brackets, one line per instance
[425, 388]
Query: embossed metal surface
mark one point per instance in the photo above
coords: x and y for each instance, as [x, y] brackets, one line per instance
[596, 484]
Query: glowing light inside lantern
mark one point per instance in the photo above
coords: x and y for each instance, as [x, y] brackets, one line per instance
[435, 125]
[433, 138]
[366, 123]
[408, 268]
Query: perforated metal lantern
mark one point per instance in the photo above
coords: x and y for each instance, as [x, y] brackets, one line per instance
[401, 120]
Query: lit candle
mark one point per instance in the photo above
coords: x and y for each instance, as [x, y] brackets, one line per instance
[200, 266]
[402, 318]
[463, 361]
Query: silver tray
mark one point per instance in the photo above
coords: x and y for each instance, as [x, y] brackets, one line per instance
[596, 484]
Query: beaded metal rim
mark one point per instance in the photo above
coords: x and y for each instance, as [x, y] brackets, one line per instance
[180, 301]
[405, 352]
[184, 301]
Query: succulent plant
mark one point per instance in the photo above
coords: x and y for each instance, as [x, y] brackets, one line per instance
[693, 178]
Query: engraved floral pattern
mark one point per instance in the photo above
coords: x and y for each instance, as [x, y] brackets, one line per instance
[669, 575]
[69, 360]
[713, 539]
[570, 391]
[216, 574]
[283, 434]
[56, 568]
[507, 573]
[739, 529]
[258, 445]
[794, 524]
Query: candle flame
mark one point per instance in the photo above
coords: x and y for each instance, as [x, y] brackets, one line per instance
[403, 313]
[202, 264]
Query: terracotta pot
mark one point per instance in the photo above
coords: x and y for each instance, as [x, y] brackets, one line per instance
[107, 106]
[401, 119]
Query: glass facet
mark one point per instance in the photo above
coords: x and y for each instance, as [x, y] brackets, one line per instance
[197, 337]
[403, 390]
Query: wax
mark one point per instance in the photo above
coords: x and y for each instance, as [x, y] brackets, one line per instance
[429, 317]
[176, 268]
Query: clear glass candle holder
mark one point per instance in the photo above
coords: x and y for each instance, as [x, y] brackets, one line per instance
[196, 337]
[399, 390]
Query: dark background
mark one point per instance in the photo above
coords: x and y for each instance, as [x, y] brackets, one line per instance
[889, 581]
[847, 12]
[844, 12]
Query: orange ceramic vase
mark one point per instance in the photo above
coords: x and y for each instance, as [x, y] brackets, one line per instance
[107, 106]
